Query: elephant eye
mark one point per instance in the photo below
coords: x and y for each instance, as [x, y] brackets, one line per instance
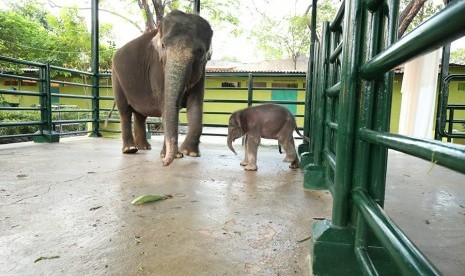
[199, 53]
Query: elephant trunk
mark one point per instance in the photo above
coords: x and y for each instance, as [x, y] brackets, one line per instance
[177, 72]
[230, 140]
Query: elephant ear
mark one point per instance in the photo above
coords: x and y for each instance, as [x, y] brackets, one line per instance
[156, 41]
[209, 52]
[238, 118]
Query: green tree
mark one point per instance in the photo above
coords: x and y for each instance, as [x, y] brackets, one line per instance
[30, 32]
[458, 56]
[414, 12]
[289, 36]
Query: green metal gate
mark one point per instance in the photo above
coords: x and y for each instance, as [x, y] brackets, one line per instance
[349, 126]
[450, 116]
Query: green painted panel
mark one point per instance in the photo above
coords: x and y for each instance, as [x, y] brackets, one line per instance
[285, 95]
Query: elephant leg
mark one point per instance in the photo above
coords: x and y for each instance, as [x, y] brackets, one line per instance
[194, 105]
[291, 155]
[140, 133]
[252, 148]
[245, 161]
[125, 113]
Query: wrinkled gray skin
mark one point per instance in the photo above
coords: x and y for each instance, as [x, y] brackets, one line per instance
[159, 73]
[268, 121]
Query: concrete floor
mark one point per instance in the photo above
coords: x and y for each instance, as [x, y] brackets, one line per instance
[70, 202]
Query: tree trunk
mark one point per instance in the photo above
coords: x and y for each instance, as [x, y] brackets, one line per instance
[159, 10]
[149, 23]
[407, 15]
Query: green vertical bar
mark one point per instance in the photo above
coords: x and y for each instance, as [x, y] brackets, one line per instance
[314, 90]
[250, 90]
[47, 115]
[443, 96]
[321, 97]
[46, 128]
[95, 73]
[310, 71]
[363, 151]
[348, 100]
[383, 114]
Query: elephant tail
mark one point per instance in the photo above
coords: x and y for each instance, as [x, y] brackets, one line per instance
[303, 136]
[109, 114]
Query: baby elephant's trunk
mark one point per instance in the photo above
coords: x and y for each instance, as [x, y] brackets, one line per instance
[230, 140]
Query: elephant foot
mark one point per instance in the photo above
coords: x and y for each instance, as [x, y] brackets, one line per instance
[294, 165]
[144, 146]
[244, 163]
[289, 159]
[190, 153]
[130, 149]
[178, 155]
[250, 167]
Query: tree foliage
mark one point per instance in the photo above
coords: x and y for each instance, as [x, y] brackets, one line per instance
[217, 12]
[30, 32]
[290, 35]
[458, 56]
[414, 12]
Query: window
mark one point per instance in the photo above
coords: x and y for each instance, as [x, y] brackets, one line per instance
[28, 83]
[10, 82]
[230, 84]
[284, 85]
[259, 84]
[461, 86]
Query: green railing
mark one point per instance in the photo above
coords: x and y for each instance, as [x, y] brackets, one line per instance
[447, 119]
[349, 125]
[57, 107]
[64, 101]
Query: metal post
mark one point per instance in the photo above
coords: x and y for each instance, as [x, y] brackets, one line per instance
[250, 90]
[46, 130]
[95, 72]
[197, 6]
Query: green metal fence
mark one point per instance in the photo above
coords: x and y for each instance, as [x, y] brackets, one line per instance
[349, 127]
[64, 102]
[447, 120]
[44, 117]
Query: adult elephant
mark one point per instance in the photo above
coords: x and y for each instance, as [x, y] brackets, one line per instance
[159, 73]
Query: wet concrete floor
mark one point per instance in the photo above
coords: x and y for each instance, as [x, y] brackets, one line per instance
[65, 209]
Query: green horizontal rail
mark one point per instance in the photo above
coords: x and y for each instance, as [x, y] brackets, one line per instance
[77, 132]
[73, 71]
[330, 158]
[71, 96]
[20, 135]
[334, 90]
[9, 108]
[448, 155]
[445, 26]
[71, 83]
[71, 110]
[61, 122]
[246, 74]
[21, 93]
[14, 124]
[106, 98]
[336, 53]
[20, 77]
[409, 259]
[336, 24]
[20, 61]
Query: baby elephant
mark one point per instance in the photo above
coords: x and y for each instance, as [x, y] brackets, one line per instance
[268, 121]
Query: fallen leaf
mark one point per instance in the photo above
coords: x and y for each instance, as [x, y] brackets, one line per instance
[95, 208]
[149, 198]
[46, 258]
